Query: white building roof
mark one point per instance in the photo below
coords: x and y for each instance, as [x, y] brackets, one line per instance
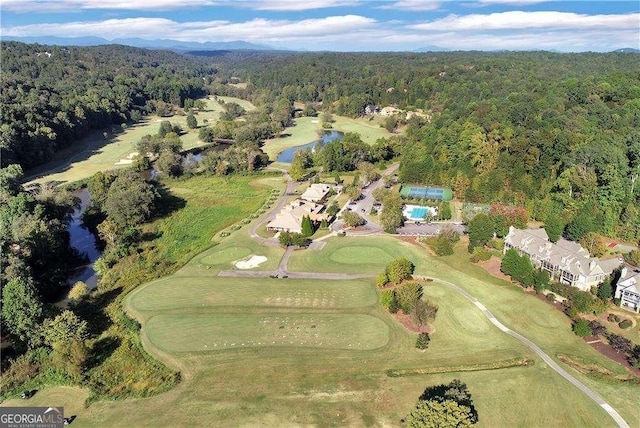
[316, 192]
[629, 281]
[567, 255]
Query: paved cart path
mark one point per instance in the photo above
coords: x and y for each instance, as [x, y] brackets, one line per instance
[545, 357]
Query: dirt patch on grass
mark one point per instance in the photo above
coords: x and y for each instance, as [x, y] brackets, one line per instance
[493, 267]
[407, 321]
[596, 371]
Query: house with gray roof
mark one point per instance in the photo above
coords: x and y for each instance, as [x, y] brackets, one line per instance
[628, 289]
[566, 261]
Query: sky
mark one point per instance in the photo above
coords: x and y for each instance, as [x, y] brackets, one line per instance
[339, 25]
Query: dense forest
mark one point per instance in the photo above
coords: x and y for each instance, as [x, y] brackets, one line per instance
[52, 95]
[555, 133]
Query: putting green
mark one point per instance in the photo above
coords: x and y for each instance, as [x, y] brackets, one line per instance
[178, 333]
[291, 293]
[356, 255]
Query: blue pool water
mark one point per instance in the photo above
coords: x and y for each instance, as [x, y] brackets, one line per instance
[418, 212]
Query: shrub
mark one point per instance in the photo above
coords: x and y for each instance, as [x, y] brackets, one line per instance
[597, 328]
[496, 244]
[581, 328]
[613, 318]
[572, 313]
[634, 358]
[551, 297]
[407, 295]
[619, 343]
[382, 280]
[386, 298]
[79, 291]
[480, 254]
[423, 311]
[443, 246]
[399, 270]
[625, 324]
[605, 291]
[423, 341]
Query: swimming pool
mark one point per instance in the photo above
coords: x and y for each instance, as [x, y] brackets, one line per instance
[418, 212]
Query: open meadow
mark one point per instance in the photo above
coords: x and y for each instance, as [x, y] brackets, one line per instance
[289, 351]
[306, 131]
[102, 154]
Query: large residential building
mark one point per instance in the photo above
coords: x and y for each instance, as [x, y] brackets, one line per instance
[566, 261]
[628, 289]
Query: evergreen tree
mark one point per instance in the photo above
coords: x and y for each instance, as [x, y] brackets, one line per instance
[192, 122]
[444, 210]
[554, 225]
[307, 226]
[509, 262]
[297, 171]
[480, 230]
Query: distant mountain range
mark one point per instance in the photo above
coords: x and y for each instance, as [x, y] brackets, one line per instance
[432, 48]
[179, 46]
[175, 45]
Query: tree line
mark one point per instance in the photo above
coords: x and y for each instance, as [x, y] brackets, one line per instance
[554, 133]
[50, 101]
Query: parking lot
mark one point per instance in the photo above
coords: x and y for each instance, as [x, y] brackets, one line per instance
[429, 229]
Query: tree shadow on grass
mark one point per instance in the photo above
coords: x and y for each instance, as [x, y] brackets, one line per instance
[102, 350]
[150, 236]
[168, 202]
[94, 312]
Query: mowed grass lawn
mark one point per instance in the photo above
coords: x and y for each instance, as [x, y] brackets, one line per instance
[306, 131]
[102, 154]
[179, 333]
[548, 327]
[283, 383]
[255, 292]
[355, 255]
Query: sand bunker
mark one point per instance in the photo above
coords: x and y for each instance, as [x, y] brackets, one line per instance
[314, 121]
[252, 262]
[128, 160]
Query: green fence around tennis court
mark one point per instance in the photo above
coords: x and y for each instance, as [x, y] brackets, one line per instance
[438, 193]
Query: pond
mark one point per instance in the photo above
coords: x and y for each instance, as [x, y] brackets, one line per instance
[286, 156]
[85, 242]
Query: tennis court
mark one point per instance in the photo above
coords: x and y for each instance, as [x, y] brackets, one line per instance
[426, 193]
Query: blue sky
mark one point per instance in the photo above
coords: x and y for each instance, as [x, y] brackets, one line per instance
[340, 25]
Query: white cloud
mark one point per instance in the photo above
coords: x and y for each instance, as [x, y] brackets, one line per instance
[256, 30]
[513, 2]
[293, 5]
[74, 5]
[539, 20]
[414, 5]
